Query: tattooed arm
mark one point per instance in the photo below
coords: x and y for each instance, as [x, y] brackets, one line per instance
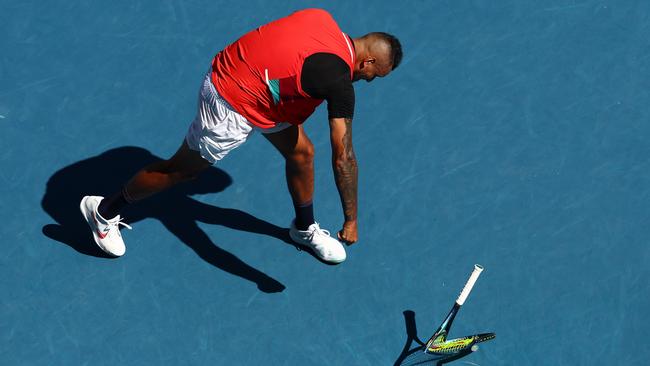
[344, 164]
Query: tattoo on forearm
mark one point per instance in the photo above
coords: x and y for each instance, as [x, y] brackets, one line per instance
[346, 174]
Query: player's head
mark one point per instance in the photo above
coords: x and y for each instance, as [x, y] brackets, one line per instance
[377, 54]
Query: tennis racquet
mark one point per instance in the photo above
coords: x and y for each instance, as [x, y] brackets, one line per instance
[440, 350]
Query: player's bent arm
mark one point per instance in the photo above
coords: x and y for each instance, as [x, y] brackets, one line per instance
[344, 164]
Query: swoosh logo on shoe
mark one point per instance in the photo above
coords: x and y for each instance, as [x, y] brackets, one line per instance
[102, 235]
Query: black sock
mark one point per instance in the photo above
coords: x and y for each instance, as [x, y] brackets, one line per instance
[304, 215]
[111, 206]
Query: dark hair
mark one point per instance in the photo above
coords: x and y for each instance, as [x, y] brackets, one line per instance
[395, 47]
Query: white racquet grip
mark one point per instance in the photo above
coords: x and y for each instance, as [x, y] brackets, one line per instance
[470, 283]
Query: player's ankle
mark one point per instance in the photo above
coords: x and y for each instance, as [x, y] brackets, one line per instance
[304, 215]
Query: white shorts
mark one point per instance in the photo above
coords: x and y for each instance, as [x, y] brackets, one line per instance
[218, 128]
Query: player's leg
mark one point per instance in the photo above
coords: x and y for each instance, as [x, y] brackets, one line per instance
[102, 214]
[298, 152]
[216, 130]
[184, 165]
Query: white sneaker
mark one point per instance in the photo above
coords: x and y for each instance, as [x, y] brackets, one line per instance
[106, 232]
[327, 248]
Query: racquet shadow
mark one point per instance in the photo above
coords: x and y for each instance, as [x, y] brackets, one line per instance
[175, 209]
[411, 336]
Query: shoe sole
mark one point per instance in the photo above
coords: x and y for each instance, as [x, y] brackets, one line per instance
[90, 221]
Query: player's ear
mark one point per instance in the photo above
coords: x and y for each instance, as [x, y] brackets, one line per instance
[368, 61]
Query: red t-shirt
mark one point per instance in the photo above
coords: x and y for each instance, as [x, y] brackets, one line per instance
[259, 74]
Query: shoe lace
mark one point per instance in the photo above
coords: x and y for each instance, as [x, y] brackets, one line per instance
[116, 225]
[318, 231]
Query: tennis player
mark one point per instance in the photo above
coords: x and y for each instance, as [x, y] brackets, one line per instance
[270, 80]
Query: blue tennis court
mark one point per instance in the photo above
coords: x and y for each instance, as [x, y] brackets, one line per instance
[514, 135]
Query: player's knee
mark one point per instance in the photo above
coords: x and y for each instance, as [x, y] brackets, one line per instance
[304, 155]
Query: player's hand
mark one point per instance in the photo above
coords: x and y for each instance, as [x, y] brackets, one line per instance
[348, 234]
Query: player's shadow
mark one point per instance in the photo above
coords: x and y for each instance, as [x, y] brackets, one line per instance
[175, 209]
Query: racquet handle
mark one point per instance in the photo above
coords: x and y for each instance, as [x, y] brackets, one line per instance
[470, 283]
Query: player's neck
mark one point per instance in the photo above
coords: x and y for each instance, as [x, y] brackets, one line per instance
[360, 48]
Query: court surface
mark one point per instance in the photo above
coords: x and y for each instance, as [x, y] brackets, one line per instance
[514, 135]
